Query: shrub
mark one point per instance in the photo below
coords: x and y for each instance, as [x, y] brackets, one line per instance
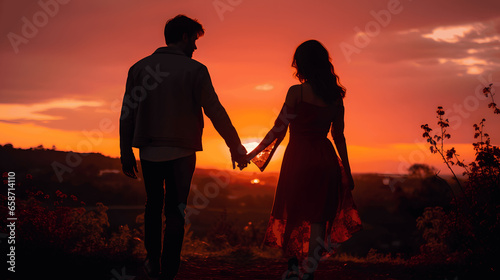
[473, 225]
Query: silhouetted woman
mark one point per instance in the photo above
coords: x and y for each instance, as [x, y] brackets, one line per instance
[313, 209]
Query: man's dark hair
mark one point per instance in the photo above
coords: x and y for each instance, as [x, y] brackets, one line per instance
[177, 26]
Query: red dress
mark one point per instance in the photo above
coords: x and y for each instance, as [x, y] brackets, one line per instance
[311, 186]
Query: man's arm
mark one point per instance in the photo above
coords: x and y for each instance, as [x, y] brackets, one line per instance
[127, 128]
[219, 117]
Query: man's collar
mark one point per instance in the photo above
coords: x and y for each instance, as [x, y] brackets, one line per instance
[170, 50]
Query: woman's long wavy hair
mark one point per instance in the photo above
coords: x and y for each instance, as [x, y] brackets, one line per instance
[313, 65]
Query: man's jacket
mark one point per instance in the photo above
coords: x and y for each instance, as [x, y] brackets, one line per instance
[163, 101]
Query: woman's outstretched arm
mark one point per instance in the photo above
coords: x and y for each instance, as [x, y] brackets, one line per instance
[266, 148]
[339, 140]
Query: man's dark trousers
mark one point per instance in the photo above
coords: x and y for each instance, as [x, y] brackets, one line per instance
[177, 175]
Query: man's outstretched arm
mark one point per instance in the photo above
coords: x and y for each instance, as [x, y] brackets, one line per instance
[220, 119]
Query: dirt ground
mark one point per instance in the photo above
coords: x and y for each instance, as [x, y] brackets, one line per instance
[236, 266]
[219, 268]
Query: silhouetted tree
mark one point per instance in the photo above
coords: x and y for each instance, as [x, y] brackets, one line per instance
[8, 146]
[420, 170]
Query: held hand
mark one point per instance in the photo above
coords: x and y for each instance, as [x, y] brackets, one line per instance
[246, 158]
[244, 161]
[129, 167]
[239, 156]
[241, 165]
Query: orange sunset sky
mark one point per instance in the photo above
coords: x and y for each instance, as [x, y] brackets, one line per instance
[64, 65]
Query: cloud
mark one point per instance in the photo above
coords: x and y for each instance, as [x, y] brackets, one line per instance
[474, 43]
[264, 87]
[37, 112]
[472, 48]
[474, 66]
[451, 34]
[477, 32]
[10, 122]
[490, 39]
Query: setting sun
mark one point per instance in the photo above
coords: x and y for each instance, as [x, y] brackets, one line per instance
[250, 146]
[255, 181]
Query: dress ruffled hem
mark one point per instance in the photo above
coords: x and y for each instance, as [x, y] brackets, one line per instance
[344, 225]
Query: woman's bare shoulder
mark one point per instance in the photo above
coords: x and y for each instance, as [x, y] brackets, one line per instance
[293, 95]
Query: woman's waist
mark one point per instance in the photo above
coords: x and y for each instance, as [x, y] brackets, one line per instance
[308, 136]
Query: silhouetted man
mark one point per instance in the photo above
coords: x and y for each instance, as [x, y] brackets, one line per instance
[162, 116]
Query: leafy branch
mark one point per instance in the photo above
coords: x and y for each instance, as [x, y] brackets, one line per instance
[447, 155]
[487, 155]
[486, 91]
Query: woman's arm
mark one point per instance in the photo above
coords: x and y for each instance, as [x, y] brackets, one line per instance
[265, 150]
[273, 138]
[340, 143]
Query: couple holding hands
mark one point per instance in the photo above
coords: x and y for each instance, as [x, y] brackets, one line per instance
[162, 115]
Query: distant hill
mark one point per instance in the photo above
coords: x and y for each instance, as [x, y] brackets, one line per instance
[94, 177]
[63, 165]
